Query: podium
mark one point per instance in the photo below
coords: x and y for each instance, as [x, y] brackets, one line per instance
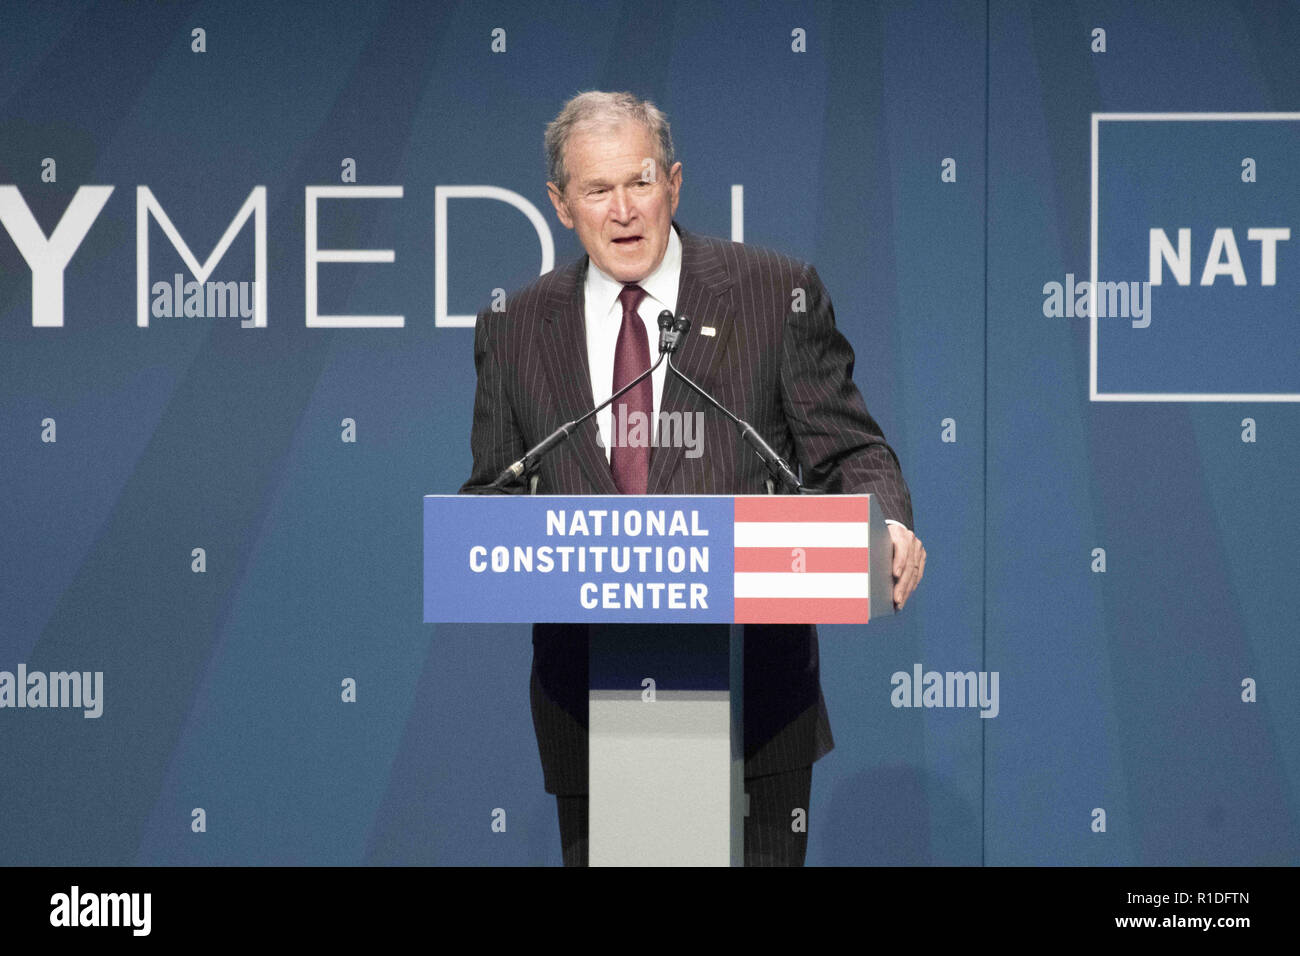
[666, 584]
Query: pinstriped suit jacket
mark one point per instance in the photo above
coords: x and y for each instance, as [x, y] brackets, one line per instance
[786, 371]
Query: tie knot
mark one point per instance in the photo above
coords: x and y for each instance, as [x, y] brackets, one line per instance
[631, 297]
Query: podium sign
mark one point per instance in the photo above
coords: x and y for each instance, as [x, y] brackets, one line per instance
[703, 559]
[666, 584]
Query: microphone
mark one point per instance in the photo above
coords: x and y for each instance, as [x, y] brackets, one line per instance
[776, 465]
[670, 335]
[671, 331]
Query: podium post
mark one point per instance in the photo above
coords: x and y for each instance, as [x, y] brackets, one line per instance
[666, 713]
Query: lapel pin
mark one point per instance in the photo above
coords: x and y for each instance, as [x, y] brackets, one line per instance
[708, 330]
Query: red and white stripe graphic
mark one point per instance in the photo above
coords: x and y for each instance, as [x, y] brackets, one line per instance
[801, 559]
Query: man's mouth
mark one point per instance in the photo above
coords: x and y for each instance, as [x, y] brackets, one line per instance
[627, 240]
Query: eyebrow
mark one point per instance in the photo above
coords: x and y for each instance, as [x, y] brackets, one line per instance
[593, 183]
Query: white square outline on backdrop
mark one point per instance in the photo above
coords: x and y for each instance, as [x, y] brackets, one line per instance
[1093, 394]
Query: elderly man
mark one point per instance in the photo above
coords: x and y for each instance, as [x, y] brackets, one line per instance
[764, 344]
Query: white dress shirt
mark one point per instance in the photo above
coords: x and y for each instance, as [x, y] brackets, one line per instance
[604, 318]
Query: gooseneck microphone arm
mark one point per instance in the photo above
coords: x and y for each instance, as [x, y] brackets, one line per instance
[776, 465]
[668, 341]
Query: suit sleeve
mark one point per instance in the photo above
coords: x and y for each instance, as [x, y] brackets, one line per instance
[838, 444]
[495, 438]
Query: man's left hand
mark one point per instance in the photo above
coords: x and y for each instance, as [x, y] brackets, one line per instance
[909, 563]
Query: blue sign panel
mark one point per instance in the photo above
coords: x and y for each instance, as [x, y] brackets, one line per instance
[1197, 257]
[518, 558]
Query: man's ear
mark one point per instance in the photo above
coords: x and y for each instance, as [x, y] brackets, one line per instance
[675, 185]
[561, 208]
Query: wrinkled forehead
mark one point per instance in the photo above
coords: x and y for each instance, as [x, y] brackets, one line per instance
[609, 149]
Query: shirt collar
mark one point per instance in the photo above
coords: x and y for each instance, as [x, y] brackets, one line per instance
[660, 285]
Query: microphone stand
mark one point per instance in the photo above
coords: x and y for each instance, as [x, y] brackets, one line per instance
[776, 465]
[671, 332]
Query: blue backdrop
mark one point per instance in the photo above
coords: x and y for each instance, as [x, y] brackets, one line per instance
[933, 160]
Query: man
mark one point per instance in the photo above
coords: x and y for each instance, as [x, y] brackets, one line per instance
[763, 342]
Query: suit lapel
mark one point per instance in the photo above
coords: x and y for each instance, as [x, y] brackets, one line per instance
[564, 340]
[701, 297]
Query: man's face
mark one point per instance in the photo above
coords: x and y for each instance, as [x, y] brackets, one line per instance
[618, 199]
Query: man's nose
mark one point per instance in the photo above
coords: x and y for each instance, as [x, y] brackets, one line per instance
[621, 208]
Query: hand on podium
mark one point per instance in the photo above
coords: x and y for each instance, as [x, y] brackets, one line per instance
[909, 562]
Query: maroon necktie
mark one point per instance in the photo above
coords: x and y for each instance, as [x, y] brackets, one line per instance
[631, 465]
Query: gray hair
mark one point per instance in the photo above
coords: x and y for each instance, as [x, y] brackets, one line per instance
[599, 110]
